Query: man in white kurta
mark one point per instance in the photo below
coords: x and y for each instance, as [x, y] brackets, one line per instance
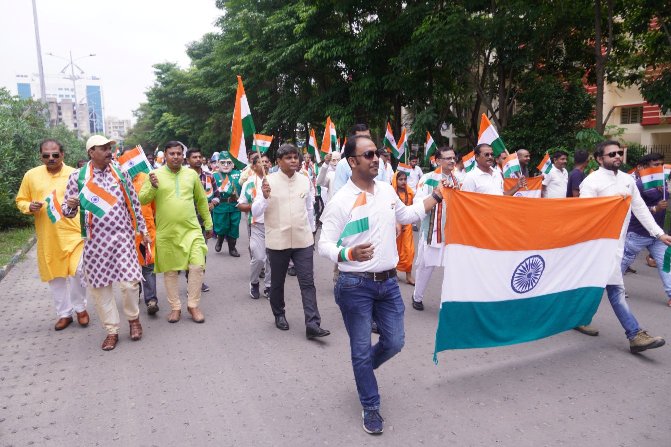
[608, 180]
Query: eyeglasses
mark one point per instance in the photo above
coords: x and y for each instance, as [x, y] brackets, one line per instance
[369, 155]
[614, 153]
[47, 156]
[488, 155]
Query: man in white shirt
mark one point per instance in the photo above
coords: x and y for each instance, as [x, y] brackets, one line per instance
[359, 233]
[415, 174]
[556, 181]
[386, 171]
[609, 181]
[484, 178]
[288, 216]
[256, 228]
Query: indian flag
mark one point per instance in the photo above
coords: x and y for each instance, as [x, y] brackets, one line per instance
[95, 199]
[667, 172]
[469, 161]
[357, 223]
[533, 189]
[652, 177]
[330, 140]
[404, 168]
[545, 166]
[242, 127]
[312, 147]
[262, 142]
[429, 147]
[390, 142]
[134, 161]
[511, 165]
[488, 135]
[403, 145]
[525, 285]
[54, 210]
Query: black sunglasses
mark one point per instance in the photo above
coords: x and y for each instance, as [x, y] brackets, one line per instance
[369, 155]
[56, 155]
[614, 153]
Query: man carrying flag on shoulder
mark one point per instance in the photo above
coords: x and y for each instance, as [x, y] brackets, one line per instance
[609, 181]
[359, 233]
[432, 229]
[110, 218]
[59, 242]
[180, 243]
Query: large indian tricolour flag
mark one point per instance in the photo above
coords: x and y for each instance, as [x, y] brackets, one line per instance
[510, 286]
[242, 127]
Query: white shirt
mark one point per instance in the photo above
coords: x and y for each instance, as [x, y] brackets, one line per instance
[385, 172]
[385, 208]
[603, 183]
[555, 183]
[483, 182]
[326, 178]
[414, 176]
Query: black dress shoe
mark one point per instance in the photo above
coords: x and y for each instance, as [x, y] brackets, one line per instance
[311, 333]
[291, 271]
[417, 305]
[281, 323]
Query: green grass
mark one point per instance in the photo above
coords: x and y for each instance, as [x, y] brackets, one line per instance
[12, 241]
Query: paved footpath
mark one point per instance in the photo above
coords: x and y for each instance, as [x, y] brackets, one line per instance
[238, 381]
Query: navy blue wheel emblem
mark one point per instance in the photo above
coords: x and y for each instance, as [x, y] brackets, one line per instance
[527, 274]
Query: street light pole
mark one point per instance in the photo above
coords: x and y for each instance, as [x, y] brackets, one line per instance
[74, 78]
[40, 68]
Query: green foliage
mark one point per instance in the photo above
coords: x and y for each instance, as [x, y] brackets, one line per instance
[23, 125]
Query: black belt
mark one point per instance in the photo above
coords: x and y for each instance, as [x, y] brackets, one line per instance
[375, 276]
[232, 200]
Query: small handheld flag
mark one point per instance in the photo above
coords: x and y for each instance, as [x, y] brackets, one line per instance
[545, 166]
[134, 161]
[95, 199]
[489, 135]
[469, 161]
[430, 147]
[54, 210]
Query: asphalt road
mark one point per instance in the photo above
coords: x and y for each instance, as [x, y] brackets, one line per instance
[238, 381]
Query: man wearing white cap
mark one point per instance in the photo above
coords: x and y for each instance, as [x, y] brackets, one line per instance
[110, 218]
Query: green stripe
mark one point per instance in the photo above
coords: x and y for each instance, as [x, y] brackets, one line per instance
[667, 260]
[90, 206]
[657, 183]
[431, 182]
[498, 147]
[464, 325]
[354, 227]
[52, 218]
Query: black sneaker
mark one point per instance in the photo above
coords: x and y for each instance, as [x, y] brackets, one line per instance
[254, 291]
[417, 305]
[372, 422]
[266, 293]
[204, 288]
[152, 306]
[291, 271]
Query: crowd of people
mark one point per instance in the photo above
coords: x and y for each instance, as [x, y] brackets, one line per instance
[105, 226]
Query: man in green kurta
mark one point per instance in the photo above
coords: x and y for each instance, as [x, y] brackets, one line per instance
[226, 215]
[180, 244]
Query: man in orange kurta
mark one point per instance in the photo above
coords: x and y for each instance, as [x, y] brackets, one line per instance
[146, 257]
[60, 244]
[404, 241]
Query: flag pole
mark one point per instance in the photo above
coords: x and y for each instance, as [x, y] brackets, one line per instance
[258, 151]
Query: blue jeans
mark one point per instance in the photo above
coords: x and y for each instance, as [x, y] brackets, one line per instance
[621, 309]
[361, 301]
[633, 245]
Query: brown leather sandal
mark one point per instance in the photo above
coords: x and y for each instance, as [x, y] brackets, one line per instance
[135, 329]
[110, 342]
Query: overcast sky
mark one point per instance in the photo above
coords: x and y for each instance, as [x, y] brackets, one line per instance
[127, 36]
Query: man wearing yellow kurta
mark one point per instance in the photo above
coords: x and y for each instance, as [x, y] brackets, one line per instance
[180, 244]
[59, 245]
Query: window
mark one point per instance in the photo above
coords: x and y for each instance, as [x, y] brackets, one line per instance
[631, 115]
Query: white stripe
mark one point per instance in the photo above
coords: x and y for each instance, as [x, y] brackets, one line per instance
[244, 107]
[652, 177]
[483, 275]
[488, 136]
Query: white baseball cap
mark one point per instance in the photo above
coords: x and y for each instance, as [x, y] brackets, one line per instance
[97, 140]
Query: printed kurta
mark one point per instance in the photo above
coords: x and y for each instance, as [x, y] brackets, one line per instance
[226, 215]
[178, 232]
[109, 251]
[59, 245]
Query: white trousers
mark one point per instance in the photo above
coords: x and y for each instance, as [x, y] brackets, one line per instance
[65, 302]
[107, 308]
[428, 258]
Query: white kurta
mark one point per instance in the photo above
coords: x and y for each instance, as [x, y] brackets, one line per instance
[604, 182]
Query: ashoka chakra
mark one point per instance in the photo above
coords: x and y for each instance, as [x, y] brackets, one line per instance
[527, 274]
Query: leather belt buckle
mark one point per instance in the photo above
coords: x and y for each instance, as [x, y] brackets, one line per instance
[380, 276]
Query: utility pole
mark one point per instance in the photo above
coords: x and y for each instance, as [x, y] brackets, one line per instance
[43, 87]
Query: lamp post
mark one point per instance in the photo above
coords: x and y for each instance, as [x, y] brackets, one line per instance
[40, 68]
[74, 78]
